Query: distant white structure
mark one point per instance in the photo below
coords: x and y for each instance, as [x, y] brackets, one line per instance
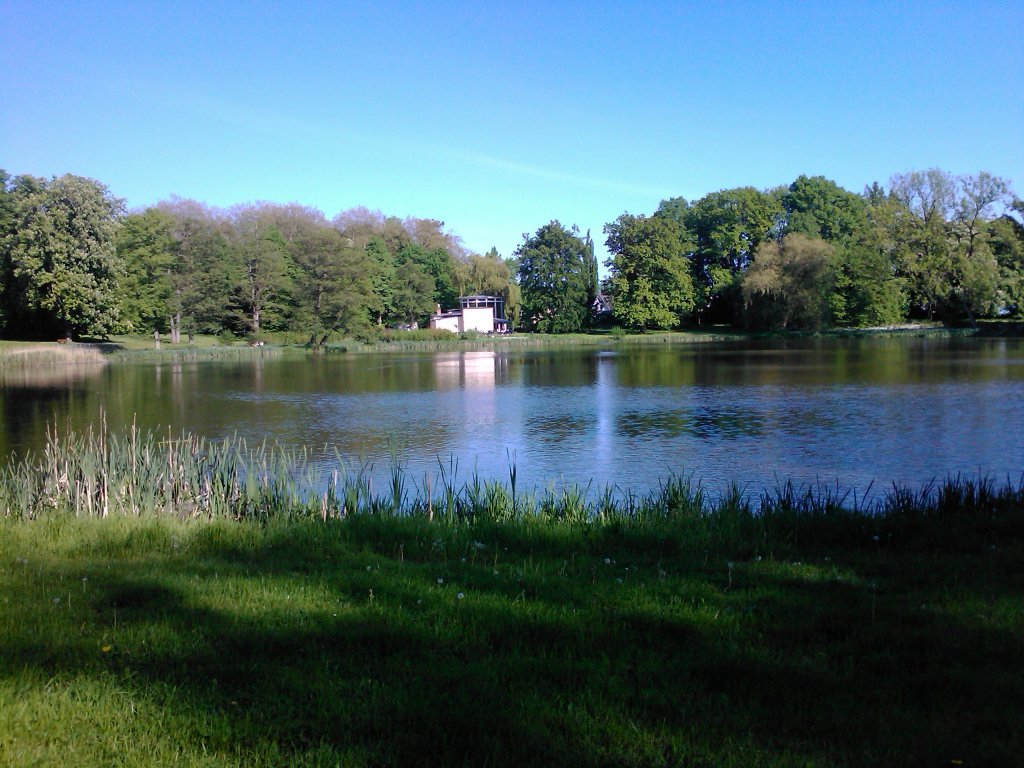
[484, 314]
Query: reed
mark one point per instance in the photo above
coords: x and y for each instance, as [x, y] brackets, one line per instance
[97, 473]
[16, 355]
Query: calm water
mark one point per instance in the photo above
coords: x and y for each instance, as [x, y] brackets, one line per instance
[830, 411]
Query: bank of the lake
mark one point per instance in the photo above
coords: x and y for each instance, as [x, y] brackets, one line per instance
[139, 348]
[716, 637]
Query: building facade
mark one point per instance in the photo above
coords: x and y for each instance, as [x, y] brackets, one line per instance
[484, 314]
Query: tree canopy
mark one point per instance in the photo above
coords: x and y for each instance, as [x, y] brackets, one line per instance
[808, 255]
[650, 275]
[59, 263]
[557, 279]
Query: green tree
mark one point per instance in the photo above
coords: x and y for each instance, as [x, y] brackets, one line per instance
[335, 288]
[649, 270]
[59, 256]
[412, 298]
[818, 207]
[728, 227]
[7, 219]
[145, 245]
[204, 272]
[554, 277]
[382, 280]
[1006, 235]
[789, 283]
[265, 280]
[950, 264]
[488, 274]
[439, 265]
[866, 290]
[974, 281]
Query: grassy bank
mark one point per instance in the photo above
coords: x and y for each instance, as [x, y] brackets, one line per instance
[143, 349]
[490, 626]
[27, 354]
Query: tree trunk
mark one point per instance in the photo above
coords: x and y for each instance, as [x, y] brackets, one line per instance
[175, 328]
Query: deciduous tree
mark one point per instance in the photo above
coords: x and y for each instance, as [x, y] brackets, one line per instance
[788, 284]
[554, 279]
[145, 245]
[728, 227]
[59, 256]
[649, 271]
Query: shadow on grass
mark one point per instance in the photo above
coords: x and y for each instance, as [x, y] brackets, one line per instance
[318, 649]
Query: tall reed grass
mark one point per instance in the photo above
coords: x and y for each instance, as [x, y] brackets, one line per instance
[144, 473]
[19, 355]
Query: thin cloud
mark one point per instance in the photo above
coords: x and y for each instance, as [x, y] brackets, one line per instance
[561, 177]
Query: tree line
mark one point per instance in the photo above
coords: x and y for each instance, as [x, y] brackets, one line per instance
[811, 255]
[74, 263]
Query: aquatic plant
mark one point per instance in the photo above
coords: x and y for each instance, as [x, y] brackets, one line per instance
[99, 474]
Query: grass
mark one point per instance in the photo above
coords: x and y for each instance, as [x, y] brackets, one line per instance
[27, 354]
[491, 625]
[139, 348]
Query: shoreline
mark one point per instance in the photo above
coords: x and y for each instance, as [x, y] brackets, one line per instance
[140, 349]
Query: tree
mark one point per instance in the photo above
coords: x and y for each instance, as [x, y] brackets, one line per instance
[949, 262]
[590, 271]
[145, 245]
[818, 207]
[412, 298]
[728, 228]
[975, 274]
[382, 279]
[204, 273]
[264, 280]
[866, 290]
[1006, 235]
[439, 265]
[334, 288]
[7, 227]
[60, 263]
[554, 280]
[488, 274]
[788, 284]
[649, 271]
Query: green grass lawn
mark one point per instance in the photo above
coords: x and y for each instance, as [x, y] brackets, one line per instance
[377, 640]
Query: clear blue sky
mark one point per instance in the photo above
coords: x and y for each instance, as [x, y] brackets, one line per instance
[497, 117]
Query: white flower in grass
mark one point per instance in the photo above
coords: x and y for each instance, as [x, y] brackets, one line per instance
[440, 581]
[461, 595]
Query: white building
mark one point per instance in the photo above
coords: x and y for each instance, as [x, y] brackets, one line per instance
[484, 314]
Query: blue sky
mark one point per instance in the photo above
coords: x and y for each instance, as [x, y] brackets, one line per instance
[498, 117]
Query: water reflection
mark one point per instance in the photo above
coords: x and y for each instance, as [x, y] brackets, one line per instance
[857, 411]
[713, 423]
[469, 370]
[41, 377]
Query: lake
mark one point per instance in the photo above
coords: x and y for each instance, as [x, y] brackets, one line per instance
[855, 413]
